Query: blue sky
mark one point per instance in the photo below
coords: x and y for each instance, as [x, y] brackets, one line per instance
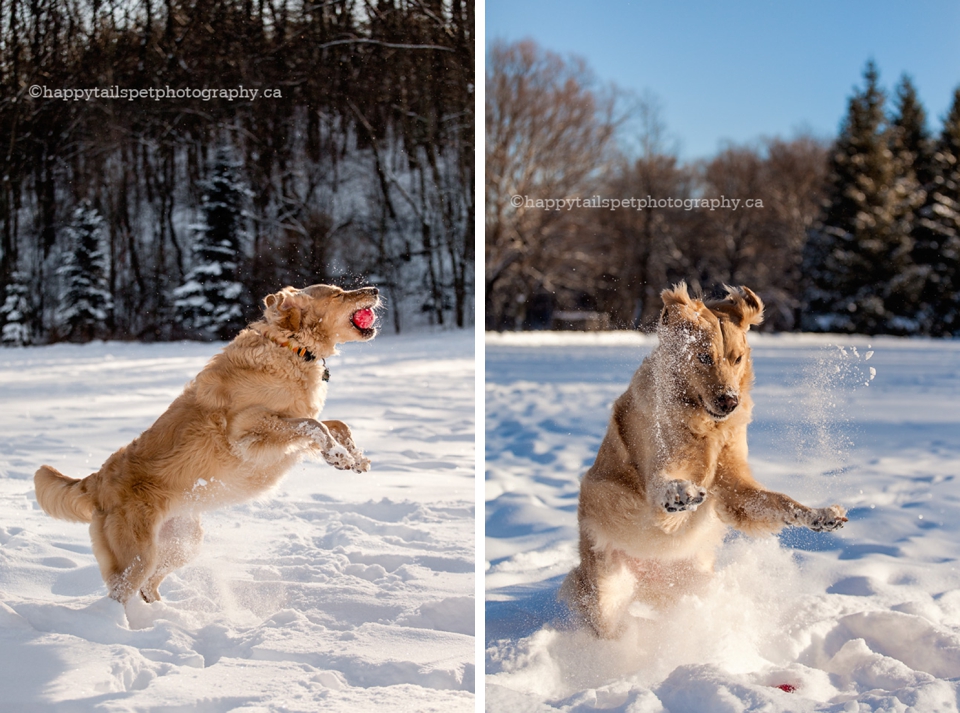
[740, 69]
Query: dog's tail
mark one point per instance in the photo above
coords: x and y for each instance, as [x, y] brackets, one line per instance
[63, 497]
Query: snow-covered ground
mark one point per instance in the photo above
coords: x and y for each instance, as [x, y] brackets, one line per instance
[865, 619]
[337, 592]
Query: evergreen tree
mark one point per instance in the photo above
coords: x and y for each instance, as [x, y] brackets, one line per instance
[858, 248]
[210, 302]
[937, 233]
[15, 313]
[912, 154]
[910, 138]
[85, 302]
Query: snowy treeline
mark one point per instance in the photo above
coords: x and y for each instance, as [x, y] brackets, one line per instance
[885, 256]
[859, 235]
[358, 169]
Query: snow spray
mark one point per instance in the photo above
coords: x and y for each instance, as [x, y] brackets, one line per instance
[823, 431]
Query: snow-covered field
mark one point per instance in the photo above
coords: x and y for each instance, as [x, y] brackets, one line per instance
[337, 592]
[866, 619]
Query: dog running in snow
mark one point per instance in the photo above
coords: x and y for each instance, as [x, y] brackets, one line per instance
[672, 472]
[247, 417]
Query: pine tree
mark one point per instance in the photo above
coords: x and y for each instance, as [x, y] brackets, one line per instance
[15, 313]
[937, 233]
[85, 302]
[912, 153]
[910, 137]
[210, 302]
[858, 248]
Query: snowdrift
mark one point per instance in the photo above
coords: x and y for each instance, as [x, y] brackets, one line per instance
[337, 591]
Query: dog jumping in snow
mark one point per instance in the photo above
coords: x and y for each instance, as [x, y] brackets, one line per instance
[247, 417]
[671, 473]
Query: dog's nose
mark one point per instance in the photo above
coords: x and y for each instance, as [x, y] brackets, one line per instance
[373, 291]
[727, 403]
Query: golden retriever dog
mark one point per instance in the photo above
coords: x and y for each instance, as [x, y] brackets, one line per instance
[671, 473]
[247, 417]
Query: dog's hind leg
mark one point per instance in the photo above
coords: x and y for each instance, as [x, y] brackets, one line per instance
[106, 559]
[177, 544]
[130, 537]
[616, 586]
[601, 589]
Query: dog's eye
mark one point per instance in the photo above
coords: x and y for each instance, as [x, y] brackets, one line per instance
[738, 359]
[705, 359]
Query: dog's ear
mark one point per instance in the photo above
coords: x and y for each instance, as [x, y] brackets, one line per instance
[678, 306]
[283, 309]
[741, 306]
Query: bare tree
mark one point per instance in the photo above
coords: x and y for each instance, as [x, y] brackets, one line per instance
[762, 245]
[644, 245]
[795, 175]
[549, 131]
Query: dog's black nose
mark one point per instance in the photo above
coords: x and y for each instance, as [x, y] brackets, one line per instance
[726, 403]
[373, 291]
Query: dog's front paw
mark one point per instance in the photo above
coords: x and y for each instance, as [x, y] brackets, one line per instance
[682, 496]
[362, 465]
[827, 519]
[339, 458]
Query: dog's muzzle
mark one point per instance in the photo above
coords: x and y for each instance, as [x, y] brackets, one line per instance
[726, 404]
[723, 405]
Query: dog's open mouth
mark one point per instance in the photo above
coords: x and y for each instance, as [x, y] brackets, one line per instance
[363, 320]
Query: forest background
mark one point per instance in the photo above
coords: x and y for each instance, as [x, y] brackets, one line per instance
[172, 214]
[859, 233]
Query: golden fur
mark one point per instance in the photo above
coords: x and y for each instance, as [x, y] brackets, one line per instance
[672, 472]
[246, 418]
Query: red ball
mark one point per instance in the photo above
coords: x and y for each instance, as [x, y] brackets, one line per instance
[364, 318]
[787, 687]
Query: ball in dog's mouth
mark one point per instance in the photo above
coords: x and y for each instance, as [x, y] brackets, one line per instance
[363, 318]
